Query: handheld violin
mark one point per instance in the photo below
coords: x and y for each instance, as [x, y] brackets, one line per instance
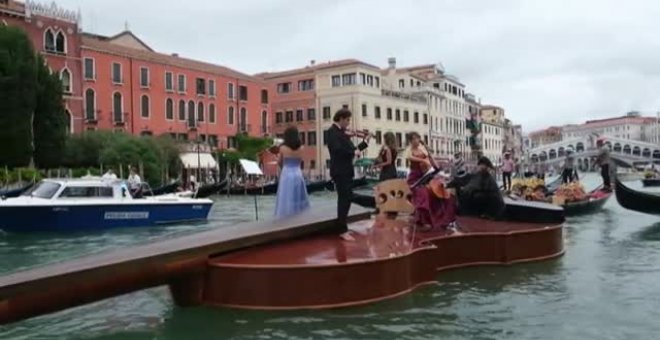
[360, 133]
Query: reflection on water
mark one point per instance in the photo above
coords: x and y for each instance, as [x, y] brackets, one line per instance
[605, 287]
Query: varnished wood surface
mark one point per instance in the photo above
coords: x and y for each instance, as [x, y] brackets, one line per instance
[387, 260]
[175, 261]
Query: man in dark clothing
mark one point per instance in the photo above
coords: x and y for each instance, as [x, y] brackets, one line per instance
[603, 161]
[481, 196]
[342, 151]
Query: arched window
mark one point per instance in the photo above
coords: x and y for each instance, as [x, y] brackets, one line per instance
[243, 120]
[230, 115]
[144, 106]
[169, 109]
[69, 122]
[90, 104]
[264, 122]
[200, 112]
[65, 75]
[117, 108]
[182, 110]
[60, 42]
[191, 114]
[49, 40]
[212, 113]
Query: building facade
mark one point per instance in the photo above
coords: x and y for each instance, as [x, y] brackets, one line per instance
[119, 83]
[56, 36]
[630, 126]
[546, 136]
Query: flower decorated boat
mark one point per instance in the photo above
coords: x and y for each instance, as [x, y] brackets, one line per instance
[93, 204]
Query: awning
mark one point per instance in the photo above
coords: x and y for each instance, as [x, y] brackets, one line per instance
[190, 160]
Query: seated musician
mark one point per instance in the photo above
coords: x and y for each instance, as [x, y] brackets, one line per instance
[481, 196]
[434, 208]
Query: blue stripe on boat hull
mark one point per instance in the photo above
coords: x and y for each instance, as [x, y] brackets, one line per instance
[97, 217]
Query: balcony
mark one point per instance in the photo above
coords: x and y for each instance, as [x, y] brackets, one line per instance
[244, 128]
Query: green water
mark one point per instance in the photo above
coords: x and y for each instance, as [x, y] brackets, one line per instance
[607, 286]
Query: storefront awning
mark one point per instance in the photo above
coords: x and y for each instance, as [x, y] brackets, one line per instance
[190, 160]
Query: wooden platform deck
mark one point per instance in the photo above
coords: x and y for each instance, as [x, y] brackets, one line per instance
[180, 263]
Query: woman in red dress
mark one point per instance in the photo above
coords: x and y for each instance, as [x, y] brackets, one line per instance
[431, 211]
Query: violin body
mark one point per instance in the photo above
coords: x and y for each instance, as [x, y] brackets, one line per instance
[359, 133]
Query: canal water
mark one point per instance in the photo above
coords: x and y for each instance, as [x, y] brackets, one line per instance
[607, 286]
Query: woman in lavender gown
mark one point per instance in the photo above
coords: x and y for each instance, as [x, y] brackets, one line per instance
[291, 190]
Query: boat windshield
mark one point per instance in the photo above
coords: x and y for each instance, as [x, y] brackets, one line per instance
[44, 190]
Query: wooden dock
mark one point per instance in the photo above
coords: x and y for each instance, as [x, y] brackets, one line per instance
[180, 263]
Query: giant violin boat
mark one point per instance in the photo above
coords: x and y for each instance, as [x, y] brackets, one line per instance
[293, 263]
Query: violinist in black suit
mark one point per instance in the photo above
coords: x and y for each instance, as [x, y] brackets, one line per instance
[342, 152]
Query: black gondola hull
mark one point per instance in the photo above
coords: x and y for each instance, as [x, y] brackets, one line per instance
[636, 200]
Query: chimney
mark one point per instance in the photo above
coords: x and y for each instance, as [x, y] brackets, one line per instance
[391, 61]
[176, 55]
[312, 62]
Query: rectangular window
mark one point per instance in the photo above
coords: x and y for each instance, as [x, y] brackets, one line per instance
[312, 164]
[426, 140]
[377, 112]
[302, 137]
[169, 82]
[211, 113]
[326, 112]
[182, 83]
[377, 81]
[306, 85]
[264, 96]
[398, 115]
[279, 117]
[200, 86]
[336, 81]
[406, 116]
[364, 110]
[89, 69]
[416, 118]
[243, 92]
[379, 137]
[389, 113]
[311, 114]
[363, 79]
[212, 92]
[325, 141]
[348, 79]
[144, 77]
[399, 140]
[289, 117]
[230, 90]
[311, 138]
[283, 87]
[426, 119]
[116, 73]
[299, 115]
[370, 80]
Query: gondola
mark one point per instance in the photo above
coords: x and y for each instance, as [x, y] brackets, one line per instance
[636, 200]
[357, 182]
[267, 189]
[11, 193]
[651, 182]
[166, 189]
[586, 206]
[207, 190]
[316, 186]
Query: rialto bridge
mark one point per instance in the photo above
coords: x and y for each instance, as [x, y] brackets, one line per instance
[584, 150]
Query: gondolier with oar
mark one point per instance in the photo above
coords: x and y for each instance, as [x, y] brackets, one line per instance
[603, 160]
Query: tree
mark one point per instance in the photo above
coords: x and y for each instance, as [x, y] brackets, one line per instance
[50, 121]
[18, 86]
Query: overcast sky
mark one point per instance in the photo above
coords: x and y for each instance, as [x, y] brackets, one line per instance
[546, 62]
